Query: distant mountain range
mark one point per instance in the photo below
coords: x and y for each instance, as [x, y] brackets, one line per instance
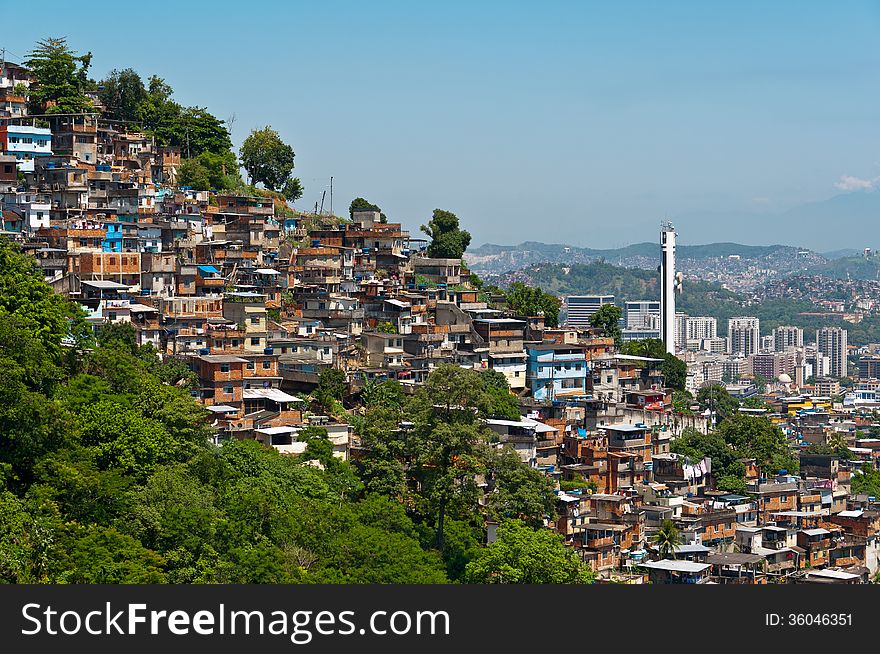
[828, 230]
[491, 259]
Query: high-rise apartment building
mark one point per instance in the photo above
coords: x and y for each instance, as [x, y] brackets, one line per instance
[787, 338]
[831, 342]
[695, 329]
[744, 335]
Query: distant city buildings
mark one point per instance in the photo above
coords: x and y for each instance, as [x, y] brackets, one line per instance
[579, 308]
[691, 331]
[744, 335]
[832, 342]
[787, 338]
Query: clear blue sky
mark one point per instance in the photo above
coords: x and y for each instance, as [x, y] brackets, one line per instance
[583, 122]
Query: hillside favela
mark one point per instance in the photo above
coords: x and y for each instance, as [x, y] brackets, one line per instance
[205, 384]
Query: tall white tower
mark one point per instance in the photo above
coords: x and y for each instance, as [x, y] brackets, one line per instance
[667, 286]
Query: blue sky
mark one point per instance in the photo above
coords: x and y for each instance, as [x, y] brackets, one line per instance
[582, 122]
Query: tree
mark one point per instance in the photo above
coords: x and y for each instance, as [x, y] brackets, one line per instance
[520, 491]
[521, 555]
[867, 481]
[607, 318]
[716, 398]
[758, 438]
[267, 159]
[61, 78]
[361, 204]
[446, 439]
[123, 92]
[502, 403]
[528, 301]
[331, 388]
[25, 297]
[210, 171]
[667, 539]
[102, 555]
[193, 173]
[447, 240]
[292, 190]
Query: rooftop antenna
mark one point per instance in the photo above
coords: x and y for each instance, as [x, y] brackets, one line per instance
[323, 193]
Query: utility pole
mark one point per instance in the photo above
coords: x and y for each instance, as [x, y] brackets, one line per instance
[331, 195]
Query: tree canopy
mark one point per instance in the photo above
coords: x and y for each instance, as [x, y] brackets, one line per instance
[528, 301]
[107, 474]
[269, 161]
[61, 78]
[123, 92]
[448, 241]
[607, 318]
[522, 555]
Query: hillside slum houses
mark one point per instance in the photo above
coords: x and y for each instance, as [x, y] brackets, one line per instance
[258, 300]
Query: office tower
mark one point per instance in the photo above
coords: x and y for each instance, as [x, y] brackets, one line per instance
[787, 338]
[668, 284]
[744, 335]
[831, 342]
[641, 314]
[581, 307]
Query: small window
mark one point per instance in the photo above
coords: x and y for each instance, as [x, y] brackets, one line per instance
[267, 365]
[251, 365]
[224, 367]
[255, 341]
[228, 390]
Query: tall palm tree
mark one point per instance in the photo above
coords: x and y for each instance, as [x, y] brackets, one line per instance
[667, 539]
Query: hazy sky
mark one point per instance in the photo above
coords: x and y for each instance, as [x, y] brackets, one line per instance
[583, 122]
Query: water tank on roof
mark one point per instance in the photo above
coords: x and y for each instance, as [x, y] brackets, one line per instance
[205, 350]
[268, 350]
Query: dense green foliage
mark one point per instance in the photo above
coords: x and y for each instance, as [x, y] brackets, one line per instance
[607, 318]
[528, 301]
[269, 161]
[521, 555]
[448, 241]
[867, 482]
[739, 437]
[62, 78]
[122, 92]
[108, 475]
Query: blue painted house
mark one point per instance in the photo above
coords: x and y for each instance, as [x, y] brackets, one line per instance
[555, 371]
[113, 240]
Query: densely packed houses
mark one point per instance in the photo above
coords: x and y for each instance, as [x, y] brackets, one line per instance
[259, 300]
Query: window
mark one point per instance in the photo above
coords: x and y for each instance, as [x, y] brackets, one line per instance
[228, 390]
[267, 365]
[255, 341]
[224, 367]
[251, 365]
[255, 320]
